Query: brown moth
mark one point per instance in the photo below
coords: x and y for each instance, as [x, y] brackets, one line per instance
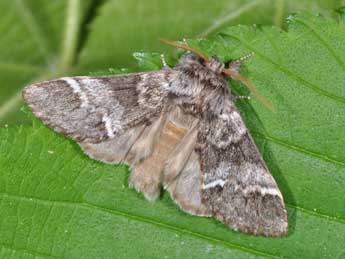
[177, 127]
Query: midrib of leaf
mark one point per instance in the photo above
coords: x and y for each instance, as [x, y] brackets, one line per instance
[316, 213]
[68, 51]
[230, 16]
[143, 220]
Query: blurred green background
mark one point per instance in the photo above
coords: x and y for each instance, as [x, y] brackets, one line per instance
[43, 39]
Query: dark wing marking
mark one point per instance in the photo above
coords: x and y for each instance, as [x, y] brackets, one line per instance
[236, 185]
[93, 109]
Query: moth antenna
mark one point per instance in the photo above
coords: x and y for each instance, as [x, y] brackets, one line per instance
[185, 46]
[245, 57]
[235, 65]
[250, 86]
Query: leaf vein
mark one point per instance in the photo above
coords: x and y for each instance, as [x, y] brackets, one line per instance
[147, 221]
[301, 150]
[323, 42]
[34, 253]
[69, 232]
[30, 228]
[297, 78]
[178, 229]
[44, 223]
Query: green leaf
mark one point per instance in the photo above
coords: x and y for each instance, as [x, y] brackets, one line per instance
[56, 202]
[43, 39]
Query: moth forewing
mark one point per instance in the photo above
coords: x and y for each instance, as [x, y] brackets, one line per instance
[176, 127]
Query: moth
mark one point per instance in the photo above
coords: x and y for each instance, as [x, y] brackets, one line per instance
[175, 127]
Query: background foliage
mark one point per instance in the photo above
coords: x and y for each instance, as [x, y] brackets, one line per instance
[55, 202]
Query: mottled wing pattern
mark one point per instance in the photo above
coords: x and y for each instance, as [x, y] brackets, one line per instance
[236, 185]
[93, 109]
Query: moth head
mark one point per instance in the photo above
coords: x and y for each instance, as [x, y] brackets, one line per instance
[215, 65]
[232, 71]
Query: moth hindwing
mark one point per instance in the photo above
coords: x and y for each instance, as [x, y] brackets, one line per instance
[177, 127]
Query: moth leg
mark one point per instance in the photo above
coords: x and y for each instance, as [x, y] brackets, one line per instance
[164, 62]
[185, 189]
[180, 155]
[235, 65]
[242, 97]
[146, 176]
